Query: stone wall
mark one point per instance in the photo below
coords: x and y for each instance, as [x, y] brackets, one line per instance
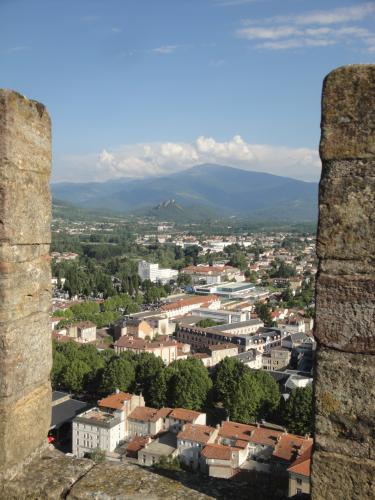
[25, 332]
[344, 456]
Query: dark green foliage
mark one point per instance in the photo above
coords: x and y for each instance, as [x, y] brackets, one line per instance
[263, 311]
[188, 384]
[119, 373]
[298, 411]
[207, 322]
[247, 395]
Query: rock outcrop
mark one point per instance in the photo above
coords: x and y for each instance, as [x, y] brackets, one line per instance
[344, 456]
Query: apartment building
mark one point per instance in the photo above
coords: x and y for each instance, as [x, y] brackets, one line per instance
[166, 349]
[152, 272]
[185, 306]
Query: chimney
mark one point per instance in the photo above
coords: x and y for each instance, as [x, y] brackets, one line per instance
[117, 391]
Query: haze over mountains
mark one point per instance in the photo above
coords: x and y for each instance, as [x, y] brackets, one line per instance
[204, 191]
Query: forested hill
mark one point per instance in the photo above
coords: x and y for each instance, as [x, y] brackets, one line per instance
[202, 190]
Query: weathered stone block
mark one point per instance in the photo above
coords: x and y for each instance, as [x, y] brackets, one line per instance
[344, 415]
[25, 287]
[25, 133]
[25, 332]
[336, 477]
[348, 118]
[25, 355]
[25, 164]
[345, 312]
[347, 212]
[25, 207]
[23, 426]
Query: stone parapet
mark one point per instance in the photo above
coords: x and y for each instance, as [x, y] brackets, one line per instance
[343, 464]
[25, 279]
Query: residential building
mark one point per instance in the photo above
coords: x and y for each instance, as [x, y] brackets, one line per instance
[276, 358]
[179, 417]
[152, 272]
[166, 349]
[145, 421]
[251, 358]
[96, 429]
[248, 327]
[185, 306]
[157, 321]
[201, 339]
[299, 474]
[221, 351]
[163, 446]
[190, 441]
[122, 402]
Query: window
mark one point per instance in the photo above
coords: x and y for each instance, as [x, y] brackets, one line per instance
[299, 481]
[299, 491]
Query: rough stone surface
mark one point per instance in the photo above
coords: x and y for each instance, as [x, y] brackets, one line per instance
[348, 118]
[344, 415]
[50, 477]
[336, 476]
[347, 212]
[25, 279]
[345, 312]
[344, 458]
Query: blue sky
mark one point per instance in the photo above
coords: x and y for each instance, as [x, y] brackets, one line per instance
[148, 87]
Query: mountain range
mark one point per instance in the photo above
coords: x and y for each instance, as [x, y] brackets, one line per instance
[205, 191]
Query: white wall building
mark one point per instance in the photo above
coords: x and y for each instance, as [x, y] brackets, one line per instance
[96, 429]
[149, 271]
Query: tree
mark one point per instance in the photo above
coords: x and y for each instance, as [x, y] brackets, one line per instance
[119, 373]
[188, 384]
[207, 322]
[75, 374]
[247, 395]
[58, 367]
[156, 393]
[297, 414]
[270, 397]
[263, 311]
[149, 378]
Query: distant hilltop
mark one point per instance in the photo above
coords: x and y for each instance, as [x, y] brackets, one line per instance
[200, 192]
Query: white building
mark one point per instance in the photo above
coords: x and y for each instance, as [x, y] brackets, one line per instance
[96, 429]
[221, 315]
[148, 271]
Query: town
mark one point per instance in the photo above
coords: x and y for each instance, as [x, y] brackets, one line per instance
[184, 346]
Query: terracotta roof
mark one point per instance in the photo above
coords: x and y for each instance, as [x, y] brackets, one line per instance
[266, 437]
[185, 415]
[234, 430]
[217, 451]
[204, 299]
[137, 444]
[241, 444]
[147, 414]
[115, 401]
[137, 343]
[195, 432]
[290, 445]
[302, 464]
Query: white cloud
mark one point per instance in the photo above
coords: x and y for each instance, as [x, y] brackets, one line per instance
[161, 158]
[311, 29]
[165, 49]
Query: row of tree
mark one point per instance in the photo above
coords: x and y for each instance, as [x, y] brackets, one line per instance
[246, 395]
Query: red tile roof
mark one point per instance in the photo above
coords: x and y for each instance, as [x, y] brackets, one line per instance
[146, 414]
[195, 432]
[141, 344]
[266, 437]
[115, 401]
[217, 451]
[185, 415]
[234, 430]
[302, 464]
[290, 445]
